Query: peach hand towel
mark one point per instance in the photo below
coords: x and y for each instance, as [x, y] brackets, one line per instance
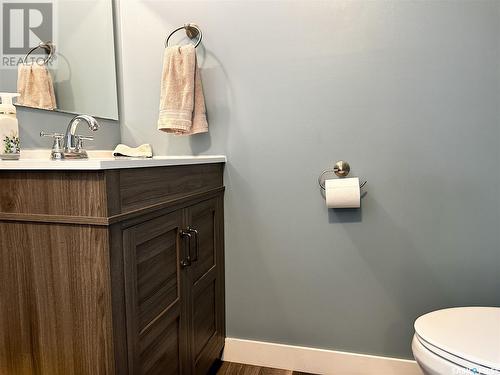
[182, 103]
[35, 85]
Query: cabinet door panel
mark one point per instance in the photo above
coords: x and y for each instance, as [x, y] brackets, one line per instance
[159, 348]
[157, 283]
[206, 285]
[203, 220]
[205, 325]
[157, 340]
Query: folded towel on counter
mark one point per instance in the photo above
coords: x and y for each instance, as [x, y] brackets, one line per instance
[35, 85]
[182, 103]
[143, 151]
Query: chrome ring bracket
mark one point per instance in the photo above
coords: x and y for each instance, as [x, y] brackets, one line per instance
[192, 31]
[49, 47]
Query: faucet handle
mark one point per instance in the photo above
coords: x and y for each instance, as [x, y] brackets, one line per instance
[56, 153]
[53, 135]
[80, 139]
[84, 137]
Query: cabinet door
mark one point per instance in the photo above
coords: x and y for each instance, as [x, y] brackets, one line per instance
[206, 284]
[157, 337]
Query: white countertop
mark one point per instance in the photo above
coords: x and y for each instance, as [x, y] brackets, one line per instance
[98, 160]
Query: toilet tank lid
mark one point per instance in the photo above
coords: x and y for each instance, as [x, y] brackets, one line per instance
[471, 333]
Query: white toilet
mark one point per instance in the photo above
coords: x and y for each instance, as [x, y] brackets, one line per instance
[458, 341]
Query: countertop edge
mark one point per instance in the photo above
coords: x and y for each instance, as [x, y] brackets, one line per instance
[107, 164]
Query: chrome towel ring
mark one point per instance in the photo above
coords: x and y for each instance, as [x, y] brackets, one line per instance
[192, 31]
[49, 47]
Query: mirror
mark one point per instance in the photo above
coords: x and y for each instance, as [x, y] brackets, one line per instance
[82, 70]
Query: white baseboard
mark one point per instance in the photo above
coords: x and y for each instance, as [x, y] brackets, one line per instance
[316, 361]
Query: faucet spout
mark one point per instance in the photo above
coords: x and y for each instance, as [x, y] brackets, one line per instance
[72, 141]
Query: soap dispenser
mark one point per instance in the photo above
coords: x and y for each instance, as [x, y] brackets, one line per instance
[9, 129]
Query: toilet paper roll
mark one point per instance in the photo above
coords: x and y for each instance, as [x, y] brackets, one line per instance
[342, 193]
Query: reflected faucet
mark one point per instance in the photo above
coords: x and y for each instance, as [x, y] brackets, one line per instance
[73, 143]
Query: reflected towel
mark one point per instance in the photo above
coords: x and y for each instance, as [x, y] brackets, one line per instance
[35, 85]
[182, 103]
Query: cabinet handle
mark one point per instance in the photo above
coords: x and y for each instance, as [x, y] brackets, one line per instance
[197, 243]
[187, 261]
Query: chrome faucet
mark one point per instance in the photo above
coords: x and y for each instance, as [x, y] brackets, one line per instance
[73, 143]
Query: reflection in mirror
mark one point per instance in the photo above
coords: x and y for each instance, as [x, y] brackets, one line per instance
[73, 69]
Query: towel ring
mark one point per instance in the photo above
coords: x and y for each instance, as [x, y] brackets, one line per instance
[49, 47]
[192, 31]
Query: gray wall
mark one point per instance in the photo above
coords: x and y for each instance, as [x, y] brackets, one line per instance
[407, 91]
[31, 121]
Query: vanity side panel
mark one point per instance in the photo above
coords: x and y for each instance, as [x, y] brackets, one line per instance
[118, 299]
[60, 193]
[55, 302]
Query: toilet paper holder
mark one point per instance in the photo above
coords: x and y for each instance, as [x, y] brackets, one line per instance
[341, 169]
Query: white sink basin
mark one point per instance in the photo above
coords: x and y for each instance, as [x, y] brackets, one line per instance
[101, 159]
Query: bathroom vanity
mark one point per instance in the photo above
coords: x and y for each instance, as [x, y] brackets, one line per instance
[111, 266]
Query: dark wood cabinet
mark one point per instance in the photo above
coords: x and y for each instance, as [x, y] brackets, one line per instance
[205, 285]
[132, 285]
[154, 294]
